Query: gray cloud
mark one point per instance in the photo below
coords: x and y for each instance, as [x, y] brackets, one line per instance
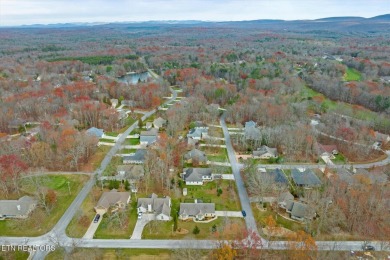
[17, 12]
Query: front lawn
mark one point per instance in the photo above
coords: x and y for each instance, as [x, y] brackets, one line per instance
[216, 154]
[39, 222]
[225, 228]
[104, 140]
[132, 141]
[84, 216]
[127, 151]
[339, 159]
[118, 228]
[113, 134]
[228, 200]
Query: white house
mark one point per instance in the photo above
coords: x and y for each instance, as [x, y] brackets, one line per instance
[161, 207]
[197, 176]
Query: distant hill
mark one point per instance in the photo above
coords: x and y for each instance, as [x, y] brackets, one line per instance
[375, 24]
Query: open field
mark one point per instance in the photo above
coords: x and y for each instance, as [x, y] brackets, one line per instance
[39, 222]
[352, 75]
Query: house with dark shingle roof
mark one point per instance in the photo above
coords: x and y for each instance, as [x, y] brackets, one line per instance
[20, 208]
[137, 158]
[306, 178]
[196, 176]
[300, 211]
[196, 155]
[197, 133]
[148, 137]
[284, 198]
[196, 211]
[345, 176]
[161, 207]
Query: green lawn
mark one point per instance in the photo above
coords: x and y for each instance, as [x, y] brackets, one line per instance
[216, 154]
[106, 140]
[127, 151]
[340, 159]
[352, 75]
[13, 255]
[77, 227]
[164, 229]
[228, 200]
[39, 222]
[132, 141]
[114, 134]
[112, 230]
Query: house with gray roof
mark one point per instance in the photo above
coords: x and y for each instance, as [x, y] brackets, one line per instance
[197, 211]
[374, 177]
[161, 207]
[265, 152]
[197, 133]
[131, 172]
[251, 131]
[148, 137]
[112, 199]
[306, 178]
[196, 155]
[137, 158]
[300, 211]
[20, 208]
[345, 176]
[197, 176]
[159, 122]
[285, 198]
[95, 132]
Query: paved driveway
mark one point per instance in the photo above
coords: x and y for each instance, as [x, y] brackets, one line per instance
[92, 228]
[230, 214]
[139, 226]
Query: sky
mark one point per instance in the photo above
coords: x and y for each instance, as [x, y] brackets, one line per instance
[26, 12]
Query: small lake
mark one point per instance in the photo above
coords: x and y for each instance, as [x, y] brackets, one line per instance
[134, 78]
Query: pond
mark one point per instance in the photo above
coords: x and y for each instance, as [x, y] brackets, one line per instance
[134, 78]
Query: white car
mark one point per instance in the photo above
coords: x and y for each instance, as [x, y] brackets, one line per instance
[140, 215]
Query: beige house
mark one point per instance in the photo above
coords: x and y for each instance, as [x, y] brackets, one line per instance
[112, 199]
[196, 211]
[20, 208]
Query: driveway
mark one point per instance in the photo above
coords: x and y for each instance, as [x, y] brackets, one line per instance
[230, 214]
[92, 228]
[139, 226]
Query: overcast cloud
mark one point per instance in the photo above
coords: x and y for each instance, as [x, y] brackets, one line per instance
[18, 12]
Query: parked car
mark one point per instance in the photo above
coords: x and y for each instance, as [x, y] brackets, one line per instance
[96, 219]
[368, 248]
[243, 213]
[140, 215]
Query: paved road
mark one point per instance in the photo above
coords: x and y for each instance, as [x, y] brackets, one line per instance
[243, 195]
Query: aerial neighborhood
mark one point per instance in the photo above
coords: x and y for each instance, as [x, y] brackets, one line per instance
[199, 140]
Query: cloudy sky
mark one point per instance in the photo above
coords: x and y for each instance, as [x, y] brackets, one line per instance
[18, 12]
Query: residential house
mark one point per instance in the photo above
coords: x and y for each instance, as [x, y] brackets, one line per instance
[192, 142]
[112, 199]
[161, 207]
[251, 131]
[196, 176]
[114, 102]
[130, 172]
[382, 138]
[137, 158]
[265, 152]
[300, 211]
[93, 131]
[306, 178]
[20, 208]
[148, 137]
[159, 122]
[148, 125]
[275, 177]
[197, 211]
[328, 150]
[284, 198]
[128, 103]
[198, 133]
[197, 156]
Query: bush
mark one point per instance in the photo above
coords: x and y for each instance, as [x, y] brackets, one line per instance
[196, 230]
[219, 192]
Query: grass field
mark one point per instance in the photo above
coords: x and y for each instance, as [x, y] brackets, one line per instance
[106, 140]
[96, 159]
[216, 154]
[127, 151]
[164, 229]
[112, 230]
[132, 141]
[352, 75]
[113, 134]
[39, 222]
[13, 255]
[76, 228]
